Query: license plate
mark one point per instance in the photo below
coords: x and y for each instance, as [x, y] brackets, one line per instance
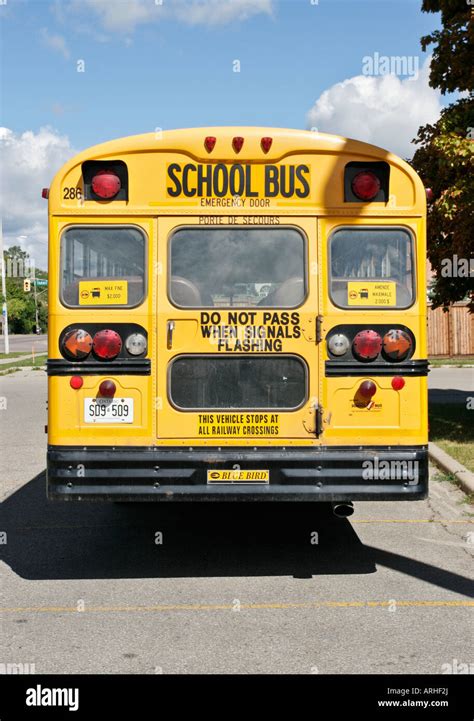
[238, 476]
[108, 410]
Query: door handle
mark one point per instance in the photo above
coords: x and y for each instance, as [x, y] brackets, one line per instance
[169, 334]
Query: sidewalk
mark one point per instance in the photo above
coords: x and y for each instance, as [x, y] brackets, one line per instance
[15, 359]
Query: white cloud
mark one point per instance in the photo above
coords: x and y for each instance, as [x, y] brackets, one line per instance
[55, 42]
[219, 12]
[383, 110]
[29, 163]
[124, 16]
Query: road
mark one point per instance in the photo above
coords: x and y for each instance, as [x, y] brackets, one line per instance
[450, 385]
[23, 343]
[233, 588]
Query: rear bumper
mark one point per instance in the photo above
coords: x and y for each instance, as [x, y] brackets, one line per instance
[377, 473]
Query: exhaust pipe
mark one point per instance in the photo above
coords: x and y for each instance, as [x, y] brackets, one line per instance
[343, 509]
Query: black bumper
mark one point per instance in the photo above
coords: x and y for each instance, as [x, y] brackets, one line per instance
[378, 473]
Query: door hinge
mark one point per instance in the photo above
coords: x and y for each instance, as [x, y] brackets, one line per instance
[319, 421]
[319, 328]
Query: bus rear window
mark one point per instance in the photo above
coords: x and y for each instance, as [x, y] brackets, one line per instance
[103, 266]
[371, 267]
[244, 267]
[246, 382]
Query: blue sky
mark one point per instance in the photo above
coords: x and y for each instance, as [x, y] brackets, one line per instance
[172, 74]
[168, 66]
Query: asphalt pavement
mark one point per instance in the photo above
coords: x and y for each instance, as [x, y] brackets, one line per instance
[233, 588]
[23, 343]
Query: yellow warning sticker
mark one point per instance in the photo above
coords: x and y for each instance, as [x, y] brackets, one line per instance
[371, 293]
[238, 476]
[238, 424]
[103, 292]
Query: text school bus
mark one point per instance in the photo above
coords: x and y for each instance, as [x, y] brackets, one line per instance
[237, 313]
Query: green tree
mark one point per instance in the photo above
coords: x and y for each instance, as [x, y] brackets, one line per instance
[21, 304]
[445, 157]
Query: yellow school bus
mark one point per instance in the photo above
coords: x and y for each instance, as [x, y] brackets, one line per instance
[237, 313]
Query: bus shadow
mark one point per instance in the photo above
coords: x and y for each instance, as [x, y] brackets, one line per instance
[54, 541]
[80, 540]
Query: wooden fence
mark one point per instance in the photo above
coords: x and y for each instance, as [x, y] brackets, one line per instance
[451, 333]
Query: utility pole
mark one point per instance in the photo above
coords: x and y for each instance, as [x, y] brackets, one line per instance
[6, 339]
[36, 307]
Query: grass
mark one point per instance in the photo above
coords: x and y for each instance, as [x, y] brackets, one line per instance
[467, 499]
[15, 354]
[7, 368]
[459, 362]
[452, 429]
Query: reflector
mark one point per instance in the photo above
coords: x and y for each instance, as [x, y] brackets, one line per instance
[396, 344]
[76, 344]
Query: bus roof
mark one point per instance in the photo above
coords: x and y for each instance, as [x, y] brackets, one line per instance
[191, 141]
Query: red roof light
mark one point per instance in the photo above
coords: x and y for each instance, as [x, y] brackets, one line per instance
[237, 144]
[266, 144]
[106, 184]
[209, 143]
[365, 185]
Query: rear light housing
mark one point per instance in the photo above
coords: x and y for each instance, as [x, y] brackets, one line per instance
[107, 344]
[366, 345]
[366, 182]
[105, 180]
[76, 344]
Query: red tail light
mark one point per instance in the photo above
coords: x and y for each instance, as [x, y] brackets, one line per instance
[209, 143]
[237, 144]
[107, 344]
[76, 382]
[365, 185]
[106, 184]
[367, 345]
[397, 344]
[367, 389]
[266, 144]
[107, 389]
[76, 344]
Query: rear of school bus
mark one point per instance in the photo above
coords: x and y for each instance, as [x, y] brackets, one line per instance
[237, 313]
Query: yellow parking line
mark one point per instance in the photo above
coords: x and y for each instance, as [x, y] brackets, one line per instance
[235, 606]
[412, 520]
